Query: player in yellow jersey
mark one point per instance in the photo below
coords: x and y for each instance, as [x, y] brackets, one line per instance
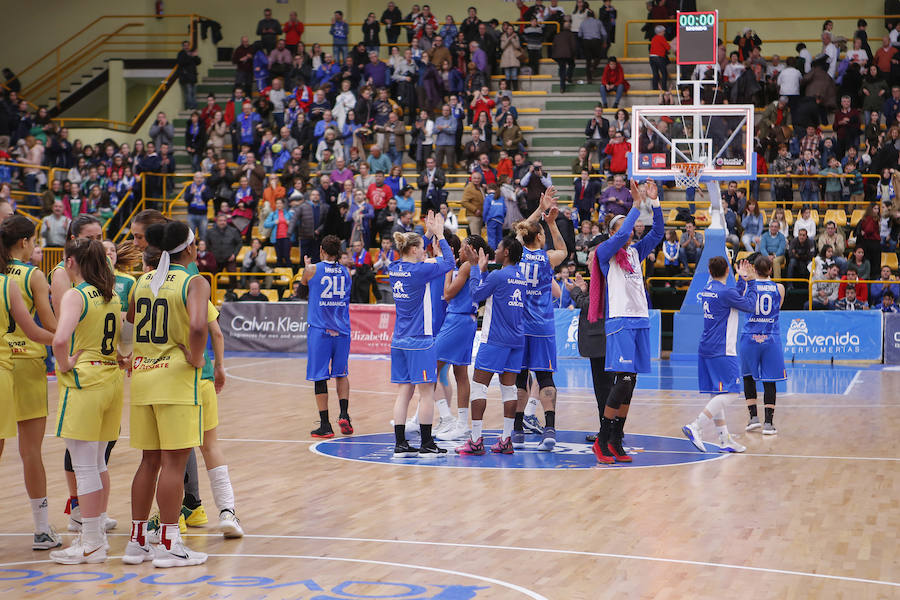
[29, 371]
[169, 312]
[122, 256]
[86, 346]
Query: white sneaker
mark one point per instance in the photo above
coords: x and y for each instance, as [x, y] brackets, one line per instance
[444, 425]
[75, 520]
[178, 556]
[46, 540]
[459, 431]
[230, 525]
[727, 443]
[78, 554]
[692, 432]
[412, 424]
[136, 554]
[109, 524]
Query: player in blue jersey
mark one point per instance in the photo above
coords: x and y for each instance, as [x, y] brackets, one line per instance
[622, 300]
[328, 337]
[537, 267]
[762, 357]
[501, 350]
[718, 370]
[454, 341]
[413, 358]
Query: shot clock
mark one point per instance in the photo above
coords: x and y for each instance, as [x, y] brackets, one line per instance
[697, 34]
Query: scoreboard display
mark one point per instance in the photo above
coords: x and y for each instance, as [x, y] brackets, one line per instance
[697, 37]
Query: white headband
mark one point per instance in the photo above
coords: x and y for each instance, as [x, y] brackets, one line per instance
[159, 277]
[615, 220]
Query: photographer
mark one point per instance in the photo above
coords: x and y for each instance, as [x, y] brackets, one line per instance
[535, 182]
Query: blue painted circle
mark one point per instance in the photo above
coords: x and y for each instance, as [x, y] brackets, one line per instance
[571, 452]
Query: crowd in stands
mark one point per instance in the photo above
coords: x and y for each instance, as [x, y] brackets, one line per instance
[312, 142]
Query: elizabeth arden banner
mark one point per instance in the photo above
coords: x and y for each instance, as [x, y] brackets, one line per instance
[371, 326]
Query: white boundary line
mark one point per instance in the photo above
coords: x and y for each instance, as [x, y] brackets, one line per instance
[856, 379]
[636, 557]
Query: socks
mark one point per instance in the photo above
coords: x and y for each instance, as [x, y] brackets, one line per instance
[770, 412]
[550, 419]
[92, 531]
[191, 482]
[619, 427]
[507, 428]
[443, 408]
[41, 513]
[323, 417]
[519, 423]
[425, 430]
[752, 409]
[345, 406]
[702, 420]
[400, 433]
[139, 532]
[476, 429]
[531, 407]
[223, 494]
[462, 415]
[171, 535]
[606, 429]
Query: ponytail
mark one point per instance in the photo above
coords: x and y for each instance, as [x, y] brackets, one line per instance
[93, 264]
[405, 242]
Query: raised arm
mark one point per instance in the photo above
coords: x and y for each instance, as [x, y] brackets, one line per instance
[655, 236]
[560, 251]
[456, 284]
[483, 284]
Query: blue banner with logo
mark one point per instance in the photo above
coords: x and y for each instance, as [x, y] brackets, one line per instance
[892, 339]
[827, 334]
[567, 333]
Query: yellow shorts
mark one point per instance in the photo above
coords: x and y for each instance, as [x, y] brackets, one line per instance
[91, 414]
[210, 404]
[166, 426]
[30, 377]
[7, 405]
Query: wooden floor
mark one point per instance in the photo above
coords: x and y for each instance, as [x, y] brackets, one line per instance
[811, 513]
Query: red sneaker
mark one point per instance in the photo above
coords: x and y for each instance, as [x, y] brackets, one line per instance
[603, 454]
[344, 424]
[618, 452]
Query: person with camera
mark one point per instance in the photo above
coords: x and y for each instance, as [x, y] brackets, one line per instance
[431, 182]
[535, 182]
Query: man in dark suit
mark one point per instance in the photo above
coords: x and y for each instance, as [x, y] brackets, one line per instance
[431, 183]
[596, 133]
[587, 191]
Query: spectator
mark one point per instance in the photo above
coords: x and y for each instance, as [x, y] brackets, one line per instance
[361, 214]
[563, 52]
[389, 18]
[403, 224]
[510, 47]
[278, 222]
[195, 139]
[835, 238]
[535, 182]
[197, 195]
[809, 186]
[55, 226]
[224, 241]
[293, 32]
[392, 138]
[206, 262]
[280, 60]
[596, 133]
[617, 150]
[773, 244]
[616, 200]
[887, 304]
[473, 202]
[593, 36]
[256, 259]
[475, 148]
[186, 62]
[587, 191]
[371, 29]
[878, 290]
[386, 219]
[850, 301]
[659, 59]
[801, 251]
[242, 59]
[534, 38]
[868, 237]
[691, 243]
[254, 294]
[851, 281]
[752, 223]
[884, 56]
[806, 222]
[378, 161]
[339, 32]
[431, 183]
[494, 214]
[446, 126]
[858, 261]
[613, 80]
[307, 224]
[162, 132]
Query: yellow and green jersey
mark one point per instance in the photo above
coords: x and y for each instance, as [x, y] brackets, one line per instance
[19, 344]
[96, 336]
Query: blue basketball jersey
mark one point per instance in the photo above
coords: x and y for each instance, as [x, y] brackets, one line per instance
[503, 292]
[764, 317]
[438, 304]
[462, 302]
[411, 286]
[538, 274]
[720, 317]
[329, 298]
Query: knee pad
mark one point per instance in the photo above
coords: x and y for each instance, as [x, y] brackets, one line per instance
[522, 379]
[67, 462]
[321, 386]
[769, 392]
[88, 478]
[478, 391]
[621, 390]
[508, 393]
[749, 387]
[85, 456]
[443, 375]
[544, 379]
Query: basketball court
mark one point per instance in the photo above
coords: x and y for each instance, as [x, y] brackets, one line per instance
[809, 513]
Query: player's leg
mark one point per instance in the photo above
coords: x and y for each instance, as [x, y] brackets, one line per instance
[602, 382]
[531, 421]
[750, 397]
[463, 390]
[192, 506]
[89, 547]
[171, 551]
[324, 429]
[518, 432]
[547, 395]
[340, 369]
[143, 489]
[428, 448]
[769, 407]
[31, 437]
[481, 379]
[72, 508]
[508, 395]
[318, 370]
[402, 449]
[220, 483]
[343, 392]
[750, 353]
[713, 414]
[443, 391]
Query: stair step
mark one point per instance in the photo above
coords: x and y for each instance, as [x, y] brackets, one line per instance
[219, 88]
[221, 72]
[570, 141]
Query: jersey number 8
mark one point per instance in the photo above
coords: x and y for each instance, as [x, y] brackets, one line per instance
[109, 334]
[156, 313]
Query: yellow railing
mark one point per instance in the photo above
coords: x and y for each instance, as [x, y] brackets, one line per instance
[813, 282]
[723, 28]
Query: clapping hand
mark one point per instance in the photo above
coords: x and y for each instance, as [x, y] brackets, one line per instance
[482, 260]
[745, 270]
[548, 198]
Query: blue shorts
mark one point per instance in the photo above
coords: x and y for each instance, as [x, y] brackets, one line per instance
[327, 355]
[719, 375]
[413, 366]
[453, 344]
[762, 357]
[628, 351]
[540, 353]
[499, 359]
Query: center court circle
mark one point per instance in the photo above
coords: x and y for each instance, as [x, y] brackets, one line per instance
[571, 452]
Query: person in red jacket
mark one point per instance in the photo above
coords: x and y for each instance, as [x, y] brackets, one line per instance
[613, 80]
[234, 106]
[659, 59]
[869, 237]
[293, 32]
[617, 150]
[862, 289]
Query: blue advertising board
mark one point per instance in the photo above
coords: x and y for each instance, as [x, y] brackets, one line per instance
[567, 333]
[892, 339]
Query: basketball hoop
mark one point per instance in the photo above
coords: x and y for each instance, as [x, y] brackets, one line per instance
[687, 174]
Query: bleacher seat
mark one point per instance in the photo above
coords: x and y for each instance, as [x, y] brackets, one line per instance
[283, 276]
[239, 259]
[837, 215]
[889, 259]
[856, 216]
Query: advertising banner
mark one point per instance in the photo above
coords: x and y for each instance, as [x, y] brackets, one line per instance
[264, 326]
[567, 333]
[827, 334]
[892, 339]
[371, 326]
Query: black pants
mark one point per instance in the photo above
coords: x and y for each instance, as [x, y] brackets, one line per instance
[658, 66]
[566, 69]
[534, 61]
[603, 382]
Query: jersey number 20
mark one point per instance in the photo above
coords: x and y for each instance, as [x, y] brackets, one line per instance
[156, 314]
